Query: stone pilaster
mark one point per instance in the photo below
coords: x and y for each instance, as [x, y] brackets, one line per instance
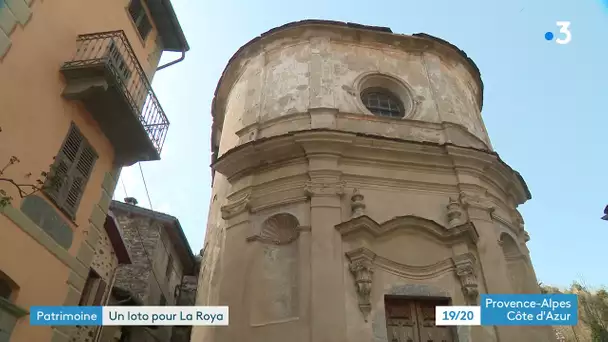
[325, 191]
[494, 268]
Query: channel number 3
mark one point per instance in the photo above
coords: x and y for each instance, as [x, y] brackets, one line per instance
[564, 29]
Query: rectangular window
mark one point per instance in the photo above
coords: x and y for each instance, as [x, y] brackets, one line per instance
[70, 172]
[140, 18]
[94, 289]
[169, 267]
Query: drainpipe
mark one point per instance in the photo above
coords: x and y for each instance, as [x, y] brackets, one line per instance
[174, 62]
[107, 301]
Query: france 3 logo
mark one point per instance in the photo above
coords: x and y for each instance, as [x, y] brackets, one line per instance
[564, 29]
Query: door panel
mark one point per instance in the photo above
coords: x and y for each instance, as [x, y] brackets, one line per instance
[414, 321]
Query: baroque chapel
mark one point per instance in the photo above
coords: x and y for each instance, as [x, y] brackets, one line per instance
[355, 188]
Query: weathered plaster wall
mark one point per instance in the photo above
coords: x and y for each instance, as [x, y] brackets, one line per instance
[315, 69]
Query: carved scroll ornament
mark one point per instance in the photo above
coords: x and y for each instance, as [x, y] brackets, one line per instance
[465, 270]
[476, 201]
[361, 267]
[318, 188]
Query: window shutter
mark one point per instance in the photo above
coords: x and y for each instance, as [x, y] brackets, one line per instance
[73, 166]
[101, 289]
[63, 163]
[135, 8]
[78, 177]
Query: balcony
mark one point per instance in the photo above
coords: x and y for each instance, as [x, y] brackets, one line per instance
[106, 76]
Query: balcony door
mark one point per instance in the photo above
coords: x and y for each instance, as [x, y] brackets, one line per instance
[413, 320]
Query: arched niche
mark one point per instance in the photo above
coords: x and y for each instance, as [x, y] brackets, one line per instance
[518, 268]
[274, 276]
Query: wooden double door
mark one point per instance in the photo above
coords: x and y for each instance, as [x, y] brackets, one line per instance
[409, 320]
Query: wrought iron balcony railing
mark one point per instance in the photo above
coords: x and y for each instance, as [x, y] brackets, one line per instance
[111, 55]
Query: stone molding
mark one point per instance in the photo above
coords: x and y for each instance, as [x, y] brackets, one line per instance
[407, 129]
[365, 223]
[361, 267]
[407, 271]
[363, 262]
[321, 188]
[466, 271]
[236, 207]
[471, 200]
[256, 155]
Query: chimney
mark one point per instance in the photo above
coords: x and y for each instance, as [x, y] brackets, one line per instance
[131, 200]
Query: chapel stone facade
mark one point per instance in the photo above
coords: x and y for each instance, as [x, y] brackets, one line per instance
[355, 188]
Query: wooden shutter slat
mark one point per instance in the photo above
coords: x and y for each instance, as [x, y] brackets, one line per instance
[73, 144]
[74, 194]
[86, 161]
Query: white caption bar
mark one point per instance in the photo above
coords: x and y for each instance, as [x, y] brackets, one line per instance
[457, 315]
[165, 315]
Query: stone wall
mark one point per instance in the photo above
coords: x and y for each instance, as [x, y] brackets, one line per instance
[104, 263]
[150, 248]
[141, 241]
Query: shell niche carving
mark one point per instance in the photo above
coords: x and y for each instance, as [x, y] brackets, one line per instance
[280, 229]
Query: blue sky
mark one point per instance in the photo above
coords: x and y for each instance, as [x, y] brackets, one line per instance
[543, 108]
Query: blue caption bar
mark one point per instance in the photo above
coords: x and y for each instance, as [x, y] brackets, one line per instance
[529, 309]
[66, 315]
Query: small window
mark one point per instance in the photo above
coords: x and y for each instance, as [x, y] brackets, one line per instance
[94, 290]
[382, 102]
[71, 171]
[140, 18]
[169, 267]
[6, 290]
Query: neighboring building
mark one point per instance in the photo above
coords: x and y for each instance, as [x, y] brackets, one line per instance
[75, 79]
[356, 188]
[110, 253]
[162, 266]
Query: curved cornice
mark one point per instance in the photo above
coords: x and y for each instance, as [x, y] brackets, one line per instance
[409, 222]
[375, 34]
[421, 272]
[262, 152]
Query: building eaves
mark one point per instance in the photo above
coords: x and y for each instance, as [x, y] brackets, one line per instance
[116, 239]
[168, 25]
